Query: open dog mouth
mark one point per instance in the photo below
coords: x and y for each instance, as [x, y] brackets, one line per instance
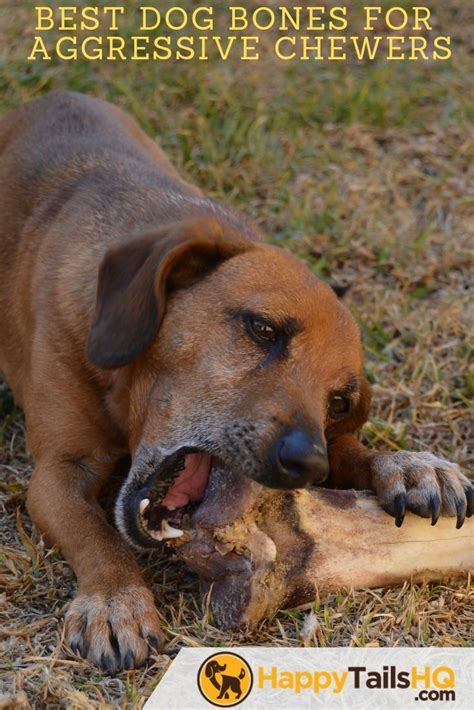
[172, 493]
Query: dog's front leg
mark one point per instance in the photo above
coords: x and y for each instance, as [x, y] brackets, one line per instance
[113, 621]
[403, 480]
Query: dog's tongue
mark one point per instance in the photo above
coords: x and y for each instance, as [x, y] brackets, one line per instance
[191, 483]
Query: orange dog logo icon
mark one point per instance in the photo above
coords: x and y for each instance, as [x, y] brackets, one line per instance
[225, 679]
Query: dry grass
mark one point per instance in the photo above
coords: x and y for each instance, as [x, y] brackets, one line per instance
[366, 172]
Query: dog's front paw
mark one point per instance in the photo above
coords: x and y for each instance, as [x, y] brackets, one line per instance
[115, 631]
[422, 483]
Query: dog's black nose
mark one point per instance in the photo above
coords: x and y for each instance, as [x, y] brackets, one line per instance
[301, 459]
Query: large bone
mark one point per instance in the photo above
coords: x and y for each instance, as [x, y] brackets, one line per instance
[264, 550]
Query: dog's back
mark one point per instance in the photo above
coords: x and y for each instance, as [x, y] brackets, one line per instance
[70, 162]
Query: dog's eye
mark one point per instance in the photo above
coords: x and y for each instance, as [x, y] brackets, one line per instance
[261, 331]
[339, 406]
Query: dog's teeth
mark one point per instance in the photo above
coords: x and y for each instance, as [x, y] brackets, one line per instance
[168, 531]
[156, 534]
[144, 503]
[171, 507]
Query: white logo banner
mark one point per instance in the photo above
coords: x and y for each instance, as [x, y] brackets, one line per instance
[355, 678]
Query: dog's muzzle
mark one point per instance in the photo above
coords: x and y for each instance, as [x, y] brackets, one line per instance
[161, 492]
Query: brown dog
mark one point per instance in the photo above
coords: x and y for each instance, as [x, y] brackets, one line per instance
[141, 319]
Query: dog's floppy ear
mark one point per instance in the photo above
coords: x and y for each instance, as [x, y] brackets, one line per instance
[209, 669]
[134, 280]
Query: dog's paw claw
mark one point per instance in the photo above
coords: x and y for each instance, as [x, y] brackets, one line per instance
[400, 506]
[460, 513]
[435, 501]
[153, 642]
[128, 661]
[76, 648]
[469, 491]
[113, 631]
[424, 484]
[106, 663]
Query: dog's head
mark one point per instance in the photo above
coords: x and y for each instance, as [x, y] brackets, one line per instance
[214, 667]
[236, 354]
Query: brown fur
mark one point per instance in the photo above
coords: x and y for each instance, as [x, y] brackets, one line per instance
[81, 187]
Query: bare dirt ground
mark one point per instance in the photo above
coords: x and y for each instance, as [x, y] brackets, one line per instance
[366, 171]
